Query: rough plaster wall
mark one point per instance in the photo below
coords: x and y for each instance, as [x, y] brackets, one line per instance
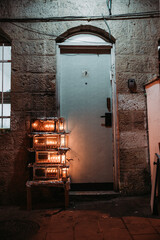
[34, 77]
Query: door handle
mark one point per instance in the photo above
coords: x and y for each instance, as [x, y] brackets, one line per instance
[108, 119]
[109, 104]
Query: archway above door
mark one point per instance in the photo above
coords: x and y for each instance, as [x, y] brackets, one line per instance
[86, 29]
[85, 43]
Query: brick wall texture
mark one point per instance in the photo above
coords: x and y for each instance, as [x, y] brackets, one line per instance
[34, 82]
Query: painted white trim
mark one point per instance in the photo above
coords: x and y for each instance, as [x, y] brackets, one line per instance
[58, 81]
[115, 121]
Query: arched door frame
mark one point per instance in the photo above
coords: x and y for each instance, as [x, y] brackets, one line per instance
[87, 29]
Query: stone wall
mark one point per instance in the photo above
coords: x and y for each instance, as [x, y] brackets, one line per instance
[34, 82]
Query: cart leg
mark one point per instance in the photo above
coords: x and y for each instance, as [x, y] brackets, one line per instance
[29, 198]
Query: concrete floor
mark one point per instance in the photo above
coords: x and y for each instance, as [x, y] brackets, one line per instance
[126, 218]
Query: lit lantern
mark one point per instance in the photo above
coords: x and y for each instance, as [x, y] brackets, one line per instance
[42, 143]
[48, 157]
[43, 126]
[45, 172]
[64, 173]
[63, 158]
[60, 125]
[63, 140]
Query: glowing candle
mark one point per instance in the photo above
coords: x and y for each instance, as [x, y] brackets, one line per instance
[62, 140]
[64, 173]
[52, 126]
[63, 158]
[34, 125]
[61, 126]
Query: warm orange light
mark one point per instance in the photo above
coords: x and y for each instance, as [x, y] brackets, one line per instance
[62, 140]
[34, 125]
[48, 157]
[51, 142]
[64, 172]
[49, 126]
[40, 125]
[63, 158]
[51, 170]
[61, 126]
[54, 159]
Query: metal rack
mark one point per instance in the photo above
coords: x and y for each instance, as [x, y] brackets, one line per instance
[49, 167]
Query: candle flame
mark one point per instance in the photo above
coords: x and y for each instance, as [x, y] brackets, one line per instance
[34, 125]
[63, 158]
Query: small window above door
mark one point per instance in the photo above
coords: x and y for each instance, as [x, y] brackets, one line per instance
[85, 43]
[85, 39]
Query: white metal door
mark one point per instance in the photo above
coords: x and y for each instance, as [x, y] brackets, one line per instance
[84, 88]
